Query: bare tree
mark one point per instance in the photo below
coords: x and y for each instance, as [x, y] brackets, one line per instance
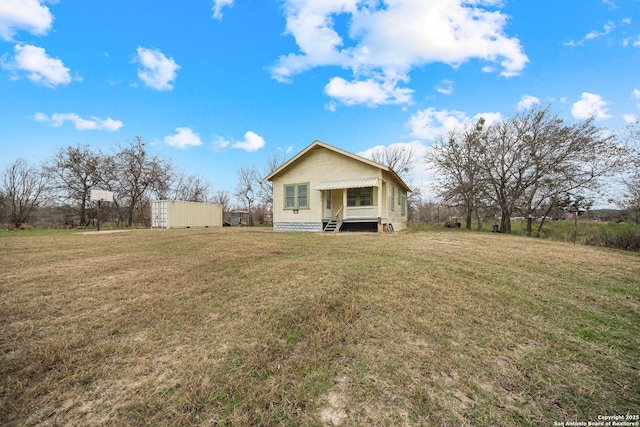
[461, 181]
[109, 180]
[247, 187]
[523, 164]
[74, 173]
[399, 157]
[503, 162]
[189, 188]
[265, 192]
[222, 197]
[414, 201]
[430, 212]
[23, 189]
[137, 175]
[630, 178]
[564, 159]
[3, 202]
[534, 157]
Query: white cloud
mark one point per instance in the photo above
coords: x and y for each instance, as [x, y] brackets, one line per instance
[489, 118]
[219, 143]
[183, 138]
[417, 148]
[157, 71]
[634, 41]
[28, 15]
[92, 123]
[383, 43]
[40, 117]
[38, 66]
[430, 124]
[368, 92]
[629, 118]
[590, 105]
[218, 5]
[608, 27]
[252, 142]
[636, 95]
[527, 101]
[445, 87]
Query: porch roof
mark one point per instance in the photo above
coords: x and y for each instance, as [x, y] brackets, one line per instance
[347, 183]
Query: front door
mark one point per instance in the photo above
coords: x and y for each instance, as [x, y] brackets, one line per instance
[327, 204]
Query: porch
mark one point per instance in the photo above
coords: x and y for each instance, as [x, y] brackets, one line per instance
[355, 204]
[356, 213]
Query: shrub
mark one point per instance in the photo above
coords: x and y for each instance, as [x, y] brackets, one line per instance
[605, 238]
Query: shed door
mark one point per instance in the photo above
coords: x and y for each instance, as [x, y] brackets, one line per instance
[327, 203]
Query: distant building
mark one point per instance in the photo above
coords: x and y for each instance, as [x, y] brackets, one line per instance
[239, 218]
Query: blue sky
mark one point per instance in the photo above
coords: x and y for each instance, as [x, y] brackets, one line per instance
[216, 84]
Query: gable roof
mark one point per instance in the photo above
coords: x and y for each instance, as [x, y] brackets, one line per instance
[315, 144]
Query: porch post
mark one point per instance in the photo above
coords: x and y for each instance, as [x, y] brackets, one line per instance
[380, 198]
[344, 203]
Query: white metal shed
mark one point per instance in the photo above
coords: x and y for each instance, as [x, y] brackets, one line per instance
[180, 214]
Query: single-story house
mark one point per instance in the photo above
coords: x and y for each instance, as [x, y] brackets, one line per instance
[324, 188]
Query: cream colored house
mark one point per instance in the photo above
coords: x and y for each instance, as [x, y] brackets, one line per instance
[324, 188]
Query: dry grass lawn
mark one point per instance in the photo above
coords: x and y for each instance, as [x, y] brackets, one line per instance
[251, 327]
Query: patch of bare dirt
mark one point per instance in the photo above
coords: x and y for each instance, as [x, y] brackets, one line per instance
[334, 413]
[104, 232]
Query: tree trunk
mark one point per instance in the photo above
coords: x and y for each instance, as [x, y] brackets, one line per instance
[130, 213]
[544, 217]
[480, 220]
[505, 223]
[83, 212]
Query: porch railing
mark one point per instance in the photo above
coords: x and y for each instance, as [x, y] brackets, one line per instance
[361, 212]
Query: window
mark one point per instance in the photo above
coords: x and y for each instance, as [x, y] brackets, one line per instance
[366, 196]
[393, 198]
[403, 203]
[351, 196]
[303, 196]
[289, 196]
[296, 196]
[360, 196]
